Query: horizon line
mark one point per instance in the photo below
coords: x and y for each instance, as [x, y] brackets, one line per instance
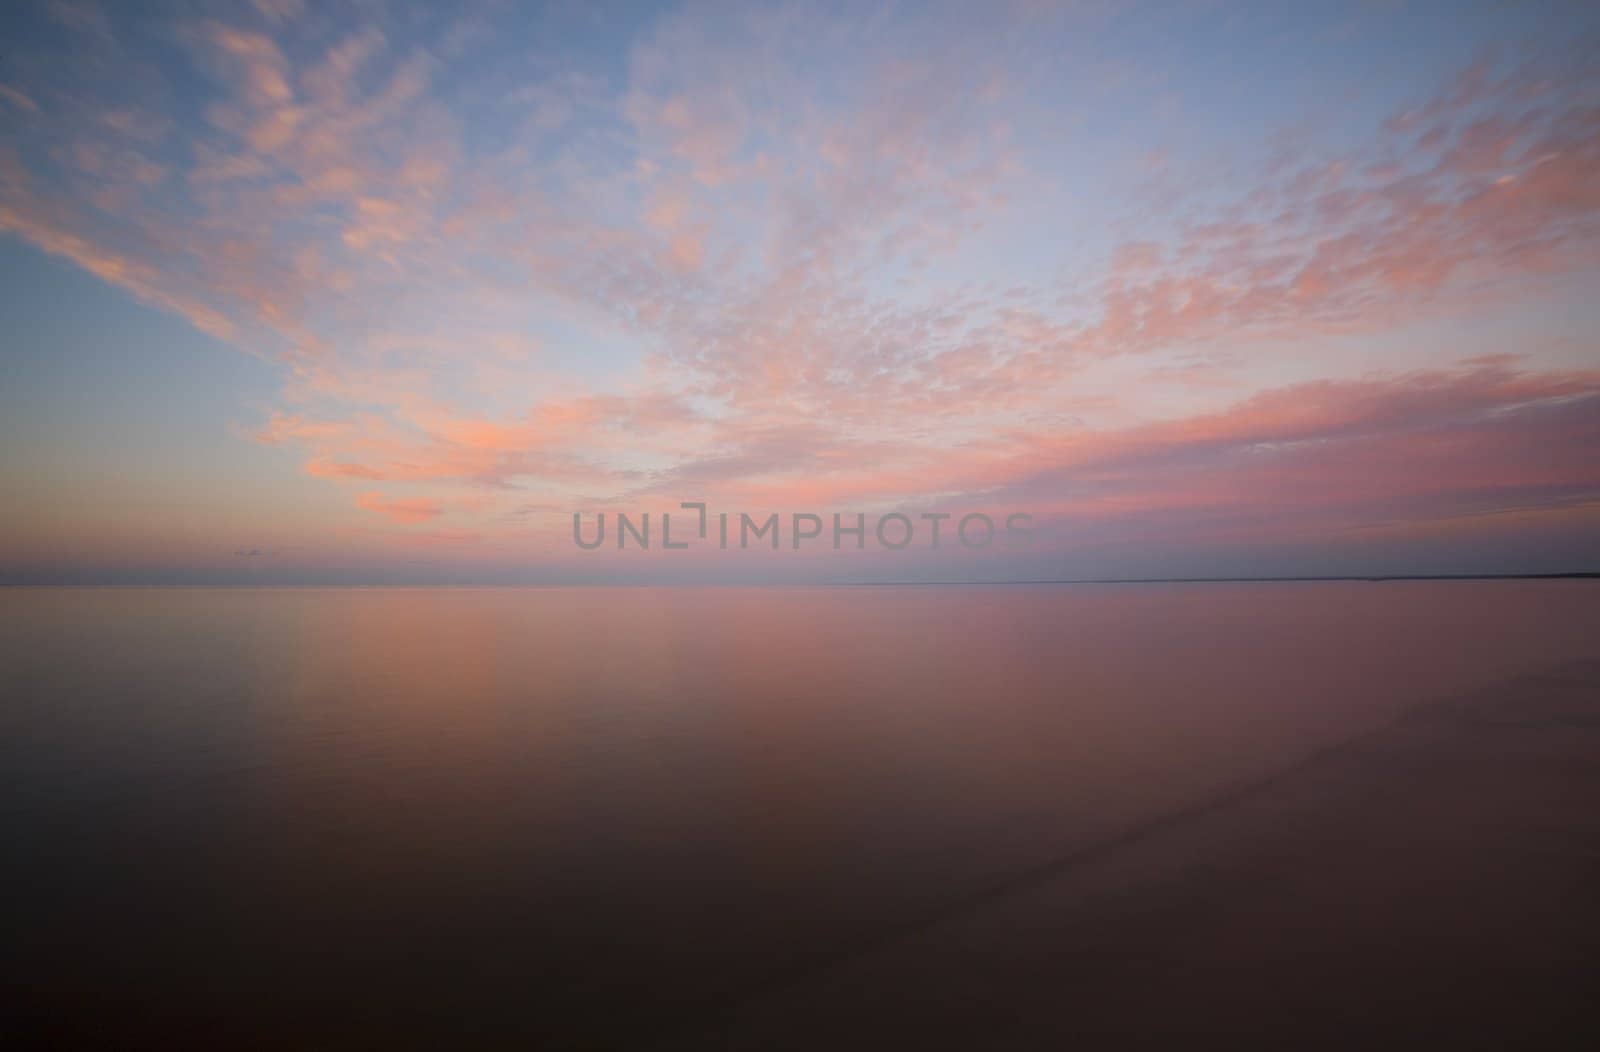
[1283, 579]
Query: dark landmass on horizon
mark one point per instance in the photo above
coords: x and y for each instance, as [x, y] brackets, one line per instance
[1577, 575]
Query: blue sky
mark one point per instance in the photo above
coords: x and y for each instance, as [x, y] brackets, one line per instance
[386, 293]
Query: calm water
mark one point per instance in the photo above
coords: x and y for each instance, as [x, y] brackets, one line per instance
[367, 817]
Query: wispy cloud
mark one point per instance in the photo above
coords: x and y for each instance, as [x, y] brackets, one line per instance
[797, 255]
[401, 509]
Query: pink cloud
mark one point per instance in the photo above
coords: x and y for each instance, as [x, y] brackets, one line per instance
[764, 278]
[401, 509]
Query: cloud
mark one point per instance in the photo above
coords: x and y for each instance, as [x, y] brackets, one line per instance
[401, 509]
[18, 99]
[785, 255]
[1415, 449]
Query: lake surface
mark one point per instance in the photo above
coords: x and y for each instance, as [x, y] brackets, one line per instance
[366, 817]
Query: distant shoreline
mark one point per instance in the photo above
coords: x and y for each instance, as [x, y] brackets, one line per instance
[1578, 575]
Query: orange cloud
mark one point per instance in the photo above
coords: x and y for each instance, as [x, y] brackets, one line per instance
[401, 509]
[781, 299]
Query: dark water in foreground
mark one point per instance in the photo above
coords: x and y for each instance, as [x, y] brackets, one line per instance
[377, 817]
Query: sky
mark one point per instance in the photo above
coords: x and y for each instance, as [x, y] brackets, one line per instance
[378, 293]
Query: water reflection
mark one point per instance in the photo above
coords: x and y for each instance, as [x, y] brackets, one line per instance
[591, 814]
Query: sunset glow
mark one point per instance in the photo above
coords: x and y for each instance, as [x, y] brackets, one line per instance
[297, 295]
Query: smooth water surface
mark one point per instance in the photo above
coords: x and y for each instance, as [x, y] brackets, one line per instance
[356, 817]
